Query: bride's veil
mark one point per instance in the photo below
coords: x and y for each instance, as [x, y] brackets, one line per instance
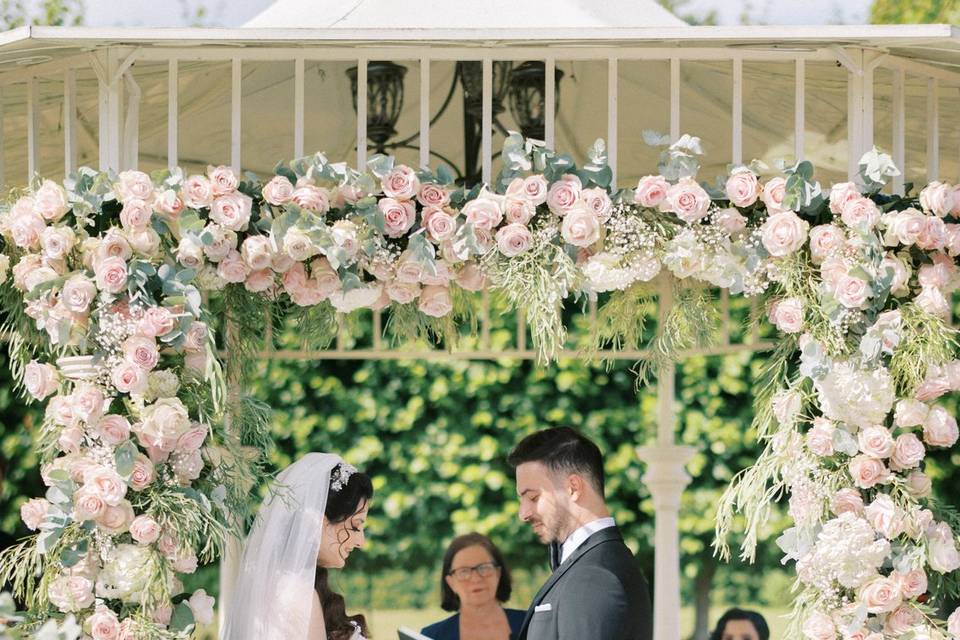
[274, 590]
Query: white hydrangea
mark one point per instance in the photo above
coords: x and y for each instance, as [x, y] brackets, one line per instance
[126, 573]
[685, 256]
[161, 383]
[857, 397]
[604, 273]
[847, 551]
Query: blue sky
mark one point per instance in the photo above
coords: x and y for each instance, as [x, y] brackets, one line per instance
[232, 13]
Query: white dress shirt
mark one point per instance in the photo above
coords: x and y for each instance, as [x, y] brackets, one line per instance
[578, 537]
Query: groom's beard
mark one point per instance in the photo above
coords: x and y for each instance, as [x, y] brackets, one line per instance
[556, 531]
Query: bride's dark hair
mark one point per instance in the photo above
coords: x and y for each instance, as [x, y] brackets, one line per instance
[341, 506]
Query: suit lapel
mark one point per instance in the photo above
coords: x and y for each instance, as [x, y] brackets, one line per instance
[604, 535]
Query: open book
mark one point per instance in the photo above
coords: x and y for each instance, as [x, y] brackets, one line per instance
[406, 633]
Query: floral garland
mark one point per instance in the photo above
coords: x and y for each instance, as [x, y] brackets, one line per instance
[109, 324]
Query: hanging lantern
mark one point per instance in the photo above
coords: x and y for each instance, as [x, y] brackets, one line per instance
[384, 99]
[527, 90]
[471, 77]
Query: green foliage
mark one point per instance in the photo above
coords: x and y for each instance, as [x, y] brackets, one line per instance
[16, 13]
[915, 12]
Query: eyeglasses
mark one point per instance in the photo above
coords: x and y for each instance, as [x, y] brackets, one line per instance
[484, 570]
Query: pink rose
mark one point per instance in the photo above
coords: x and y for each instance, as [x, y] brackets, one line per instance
[953, 623]
[190, 252]
[33, 512]
[852, 292]
[50, 201]
[564, 194]
[840, 194]
[259, 281]
[193, 438]
[232, 268]
[435, 301]
[278, 191]
[651, 191]
[824, 240]
[881, 595]
[902, 620]
[932, 301]
[910, 413]
[232, 211]
[156, 322]
[847, 501]
[940, 428]
[40, 380]
[88, 402]
[26, 229]
[143, 473]
[440, 224]
[197, 192]
[398, 215]
[113, 429]
[483, 213]
[939, 275]
[220, 242]
[312, 198]
[730, 220]
[442, 274]
[773, 194]
[876, 442]
[580, 227]
[519, 210]
[222, 180]
[952, 236]
[742, 187]
[514, 239]
[71, 593]
[934, 234]
[70, 439]
[433, 195]
[116, 520]
[202, 606]
[937, 198]
[161, 614]
[128, 377]
[163, 423]
[281, 263]
[819, 626]
[57, 242]
[535, 189]
[134, 185]
[885, 517]
[783, 233]
[104, 624]
[831, 270]
[899, 286]
[325, 277]
[403, 292]
[688, 200]
[186, 465]
[142, 351]
[470, 277]
[186, 563]
[106, 483]
[136, 214]
[78, 292]
[942, 549]
[820, 438]
[197, 336]
[400, 183]
[170, 203]
[913, 584]
[908, 452]
[145, 530]
[408, 270]
[88, 504]
[867, 472]
[111, 275]
[861, 213]
[919, 484]
[787, 315]
[597, 201]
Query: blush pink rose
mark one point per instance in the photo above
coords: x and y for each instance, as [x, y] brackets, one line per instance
[564, 194]
[937, 198]
[103, 624]
[597, 201]
[483, 213]
[113, 429]
[278, 191]
[908, 452]
[107, 484]
[912, 583]
[50, 201]
[820, 438]
[257, 252]
[192, 439]
[934, 302]
[71, 593]
[940, 428]
[259, 281]
[197, 192]
[934, 234]
[580, 227]
[899, 286]
[70, 439]
[902, 620]
[170, 203]
[783, 233]
[233, 268]
[953, 623]
[824, 240]
[33, 512]
[134, 185]
[860, 213]
[87, 402]
[116, 519]
[774, 192]
[852, 292]
[57, 242]
[222, 180]
[867, 472]
[919, 484]
[78, 293]
[470, 277]
[202, 606]
[884, 516]
[398, 215]
[142, 351]
[730, 220]
[881, 595]
[847, 501]
[128, 377]
[403, 292]
[651, 191]
[143, 473]
[910, 413]
[401, 183]
[232, 210]
[433, 195]
[144, 530]
[514, 239]
[88, 504]
[519, 210]
[156, 322]
[535, 189]
[136, 214]
[111, 275]
[688, 200]
[26, 229]
[787, 315]
[840, 194]
[742, 187]
[312, 198]
[819, 626]
[440, 224]
[197, 336]
[435, 301]
[876, 442]
[40, 379]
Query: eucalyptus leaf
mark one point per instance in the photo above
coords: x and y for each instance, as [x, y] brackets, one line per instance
[125, 455]
[182, 618]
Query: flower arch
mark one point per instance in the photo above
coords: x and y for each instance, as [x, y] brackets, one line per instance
[113, 286]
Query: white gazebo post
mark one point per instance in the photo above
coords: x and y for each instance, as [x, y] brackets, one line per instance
[666, 477]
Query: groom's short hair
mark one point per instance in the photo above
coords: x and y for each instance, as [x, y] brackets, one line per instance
[562, 450]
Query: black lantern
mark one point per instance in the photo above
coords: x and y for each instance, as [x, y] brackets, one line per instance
[384, 99]
[527, 97]
[471, 77]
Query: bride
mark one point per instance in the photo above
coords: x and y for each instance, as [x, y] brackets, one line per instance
[312, 519]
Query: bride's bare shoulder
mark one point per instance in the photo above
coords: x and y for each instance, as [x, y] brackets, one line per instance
[317, 629]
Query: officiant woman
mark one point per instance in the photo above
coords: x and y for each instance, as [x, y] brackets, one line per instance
[475, 583]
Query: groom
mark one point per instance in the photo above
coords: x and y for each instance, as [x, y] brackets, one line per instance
[596, 591]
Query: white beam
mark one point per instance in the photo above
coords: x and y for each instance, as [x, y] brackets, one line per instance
[361, 114]
[933, 129]
[424, 141]
[899, 128]
[550, 102]
[799, 106]
[69, 121]
[236, 103]
[737, 111]
[674, 98]
[487, 121]
[33, 128]
[173, 112]
[298, 107]
[613, 95]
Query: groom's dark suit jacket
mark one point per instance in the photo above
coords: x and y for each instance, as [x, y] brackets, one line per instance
[598, 593]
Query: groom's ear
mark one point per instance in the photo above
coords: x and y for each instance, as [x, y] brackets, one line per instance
[575, 485]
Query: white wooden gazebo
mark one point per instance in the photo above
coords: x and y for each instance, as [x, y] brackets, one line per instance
[281, 86]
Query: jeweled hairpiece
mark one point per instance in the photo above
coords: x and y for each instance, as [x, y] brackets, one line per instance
[340, 476]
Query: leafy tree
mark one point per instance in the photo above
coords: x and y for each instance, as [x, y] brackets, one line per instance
[915, 12]
[58, 13]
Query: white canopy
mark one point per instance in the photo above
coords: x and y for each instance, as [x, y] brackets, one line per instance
[464, 14]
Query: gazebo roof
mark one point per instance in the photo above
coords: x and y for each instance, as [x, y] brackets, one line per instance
[465, 14]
